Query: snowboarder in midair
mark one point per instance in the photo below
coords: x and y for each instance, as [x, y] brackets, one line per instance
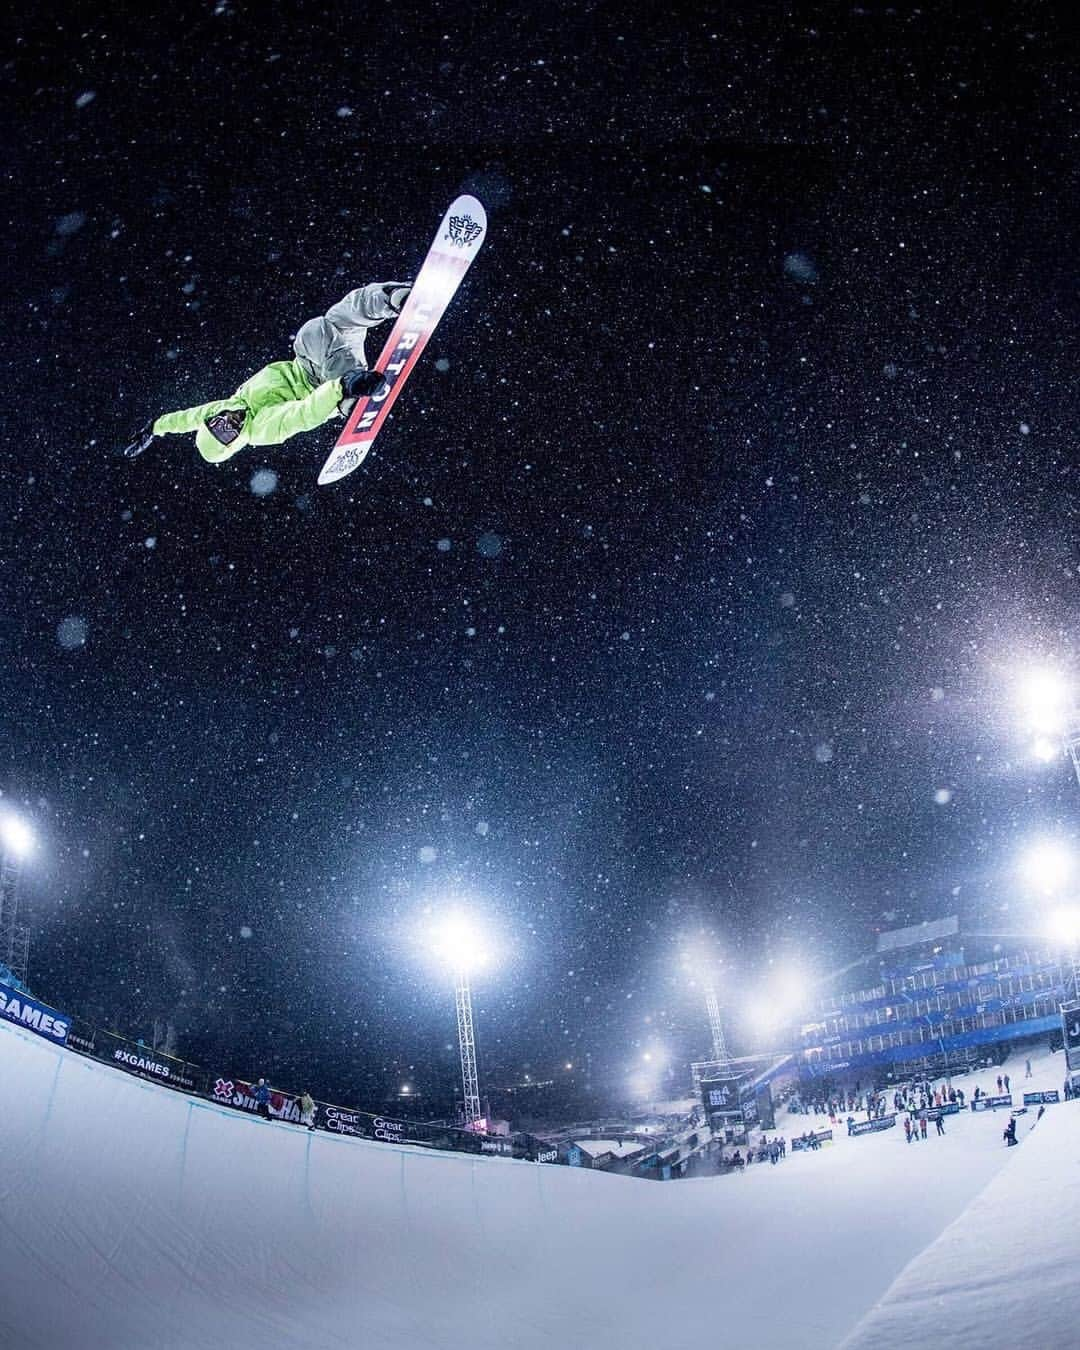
[327, 375]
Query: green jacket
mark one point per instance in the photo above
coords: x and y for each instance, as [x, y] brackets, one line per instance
[278, 401]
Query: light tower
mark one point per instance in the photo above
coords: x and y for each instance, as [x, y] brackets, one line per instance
[1048, 868]
[470, 1079]
[716, 1027]
[16, 842]
[699, 963]
[457, 945]
[1050, 715]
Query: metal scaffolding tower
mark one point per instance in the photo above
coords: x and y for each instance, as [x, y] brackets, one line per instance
[469, 1077]
[712, 1004]
[14, 934]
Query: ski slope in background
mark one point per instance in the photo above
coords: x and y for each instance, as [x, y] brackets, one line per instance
[133, 1217]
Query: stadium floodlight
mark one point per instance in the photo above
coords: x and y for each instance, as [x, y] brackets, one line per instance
[1048, 865]
[16, 835]
[786, 993]
[1063, 928]
[1050, 714]
[1046, 750]
[1063, 925]
[1045, 700]
[456, 942]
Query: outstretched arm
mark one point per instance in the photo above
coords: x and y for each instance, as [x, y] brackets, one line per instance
[369, 305]
[187, 419]
[272, 425]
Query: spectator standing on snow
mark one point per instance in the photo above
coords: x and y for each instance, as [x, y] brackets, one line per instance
[262, 1099]
[1027, 1068]
[1007, 1088]
[1009, 1133]
[999, 1084]
[306, 1107]
[922, 1124]
[939, 1122]
[907, 1129]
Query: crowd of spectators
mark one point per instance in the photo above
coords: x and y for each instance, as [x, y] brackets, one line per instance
[767, 1150]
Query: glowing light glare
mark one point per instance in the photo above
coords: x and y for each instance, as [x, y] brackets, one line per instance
[642, 1085]
[764, 1015]
[1048, 865]
[1045, 700]
[1046, 750]
[456, 942]
[787, 992]
[790, 990]
[16, 836]
[699, 962]
[1063, 925]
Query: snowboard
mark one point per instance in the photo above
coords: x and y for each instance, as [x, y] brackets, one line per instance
[456, 244]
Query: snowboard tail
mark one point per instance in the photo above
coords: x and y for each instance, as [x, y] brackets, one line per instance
[456, 244]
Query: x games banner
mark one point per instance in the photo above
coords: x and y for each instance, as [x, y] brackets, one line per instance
[722, 1097]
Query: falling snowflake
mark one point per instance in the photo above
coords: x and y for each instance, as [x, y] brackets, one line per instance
[264, 482]
[799, 266]
[72, 223]
[71, 633]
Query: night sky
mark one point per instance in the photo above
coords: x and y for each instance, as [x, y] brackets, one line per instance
[684, 589]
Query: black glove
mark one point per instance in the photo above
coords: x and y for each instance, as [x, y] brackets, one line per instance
[362, 383]
[142, 440]
[396, 292]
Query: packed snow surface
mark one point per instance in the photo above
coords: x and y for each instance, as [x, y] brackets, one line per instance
[133, 1216]
[1005, 1272]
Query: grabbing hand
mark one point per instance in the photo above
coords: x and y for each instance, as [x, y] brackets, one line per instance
[362, 383]
[397, 292]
